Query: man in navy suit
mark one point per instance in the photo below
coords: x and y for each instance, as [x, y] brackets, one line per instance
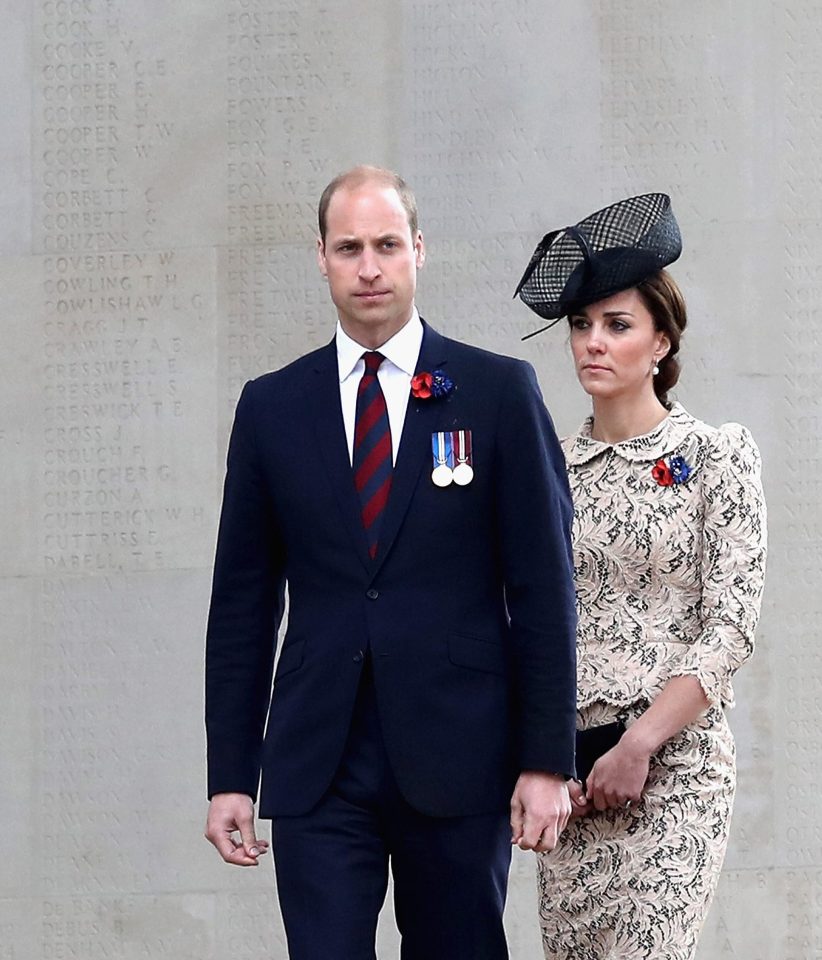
[411, 493]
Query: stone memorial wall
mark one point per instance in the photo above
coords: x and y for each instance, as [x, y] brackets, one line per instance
[160, 166]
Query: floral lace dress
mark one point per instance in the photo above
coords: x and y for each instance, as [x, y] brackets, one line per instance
[669, 549]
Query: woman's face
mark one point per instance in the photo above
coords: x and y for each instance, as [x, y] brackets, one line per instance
[615, 346]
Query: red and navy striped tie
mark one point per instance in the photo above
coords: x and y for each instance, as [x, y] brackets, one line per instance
[373, 464]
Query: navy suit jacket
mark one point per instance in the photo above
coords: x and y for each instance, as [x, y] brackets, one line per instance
[468, 609]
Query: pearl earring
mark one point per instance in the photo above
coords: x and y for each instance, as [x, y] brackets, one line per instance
[656, 370]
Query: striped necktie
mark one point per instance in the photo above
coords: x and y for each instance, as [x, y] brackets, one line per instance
[373, 465]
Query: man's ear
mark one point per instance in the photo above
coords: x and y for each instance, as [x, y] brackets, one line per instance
[321, 258]
[419, 248]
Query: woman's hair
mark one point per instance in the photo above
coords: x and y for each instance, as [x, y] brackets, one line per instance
[665, 302]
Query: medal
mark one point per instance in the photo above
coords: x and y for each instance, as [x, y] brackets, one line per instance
[463, 471]
[442, 474]
[463, 474]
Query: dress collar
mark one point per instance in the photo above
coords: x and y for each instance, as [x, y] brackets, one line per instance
[664, 438]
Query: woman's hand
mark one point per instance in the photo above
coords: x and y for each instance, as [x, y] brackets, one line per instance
[619, 776]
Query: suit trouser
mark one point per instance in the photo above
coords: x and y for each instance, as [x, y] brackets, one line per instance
[450, 873]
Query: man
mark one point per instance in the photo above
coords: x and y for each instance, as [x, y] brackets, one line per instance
[411, 491]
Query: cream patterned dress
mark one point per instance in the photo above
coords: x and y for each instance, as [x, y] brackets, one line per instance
[669, 580]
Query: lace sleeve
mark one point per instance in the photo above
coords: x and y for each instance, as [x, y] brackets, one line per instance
[733, 564]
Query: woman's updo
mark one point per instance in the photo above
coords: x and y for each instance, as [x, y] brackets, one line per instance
[665, 302]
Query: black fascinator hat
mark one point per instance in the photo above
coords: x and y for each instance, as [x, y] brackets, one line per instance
[612, 250]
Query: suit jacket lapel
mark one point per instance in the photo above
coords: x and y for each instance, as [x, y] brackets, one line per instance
[323, 402]
[415, 446]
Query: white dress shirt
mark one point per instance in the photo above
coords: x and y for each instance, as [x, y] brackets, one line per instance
[401, 353]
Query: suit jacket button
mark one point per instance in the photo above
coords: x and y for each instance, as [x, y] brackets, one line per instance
[372, 594]
[358, 657]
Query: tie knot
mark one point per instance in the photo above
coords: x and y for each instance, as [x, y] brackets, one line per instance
[373, 359]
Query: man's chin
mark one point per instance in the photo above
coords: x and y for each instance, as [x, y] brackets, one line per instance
[373, 327]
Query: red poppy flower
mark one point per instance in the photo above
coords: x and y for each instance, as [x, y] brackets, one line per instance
[662, 474]
[421, 385]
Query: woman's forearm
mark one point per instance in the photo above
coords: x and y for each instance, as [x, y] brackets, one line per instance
[680, 702]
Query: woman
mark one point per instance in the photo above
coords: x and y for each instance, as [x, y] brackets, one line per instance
[669, 545]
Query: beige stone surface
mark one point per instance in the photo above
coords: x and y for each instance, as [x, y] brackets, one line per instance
[18, 749]
[15, 146]
[159, 171]
[127, 405]
[21, 426]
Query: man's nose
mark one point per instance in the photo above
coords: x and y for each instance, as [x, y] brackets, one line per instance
[369, 265]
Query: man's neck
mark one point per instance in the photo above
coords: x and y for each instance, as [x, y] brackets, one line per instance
[372, 338]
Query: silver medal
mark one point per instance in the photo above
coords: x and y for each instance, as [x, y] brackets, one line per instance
[463, 474]
[463, 471]
[442, 475]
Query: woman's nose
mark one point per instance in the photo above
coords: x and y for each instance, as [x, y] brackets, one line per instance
[594, 342]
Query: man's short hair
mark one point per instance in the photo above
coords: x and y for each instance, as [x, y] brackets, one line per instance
[361, 175]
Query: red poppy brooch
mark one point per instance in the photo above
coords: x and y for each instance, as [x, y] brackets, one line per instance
[424, 385]
[675, 471]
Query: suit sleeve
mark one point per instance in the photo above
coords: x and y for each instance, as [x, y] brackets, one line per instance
[247, 603]
[535, 515]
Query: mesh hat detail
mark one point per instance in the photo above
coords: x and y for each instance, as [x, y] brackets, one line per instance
[611, 250]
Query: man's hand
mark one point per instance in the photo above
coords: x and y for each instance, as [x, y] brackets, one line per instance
[540, 809]
[581, 806]
[229, 813]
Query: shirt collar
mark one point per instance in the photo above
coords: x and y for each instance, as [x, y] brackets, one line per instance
[664, 438]
[403, 349]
